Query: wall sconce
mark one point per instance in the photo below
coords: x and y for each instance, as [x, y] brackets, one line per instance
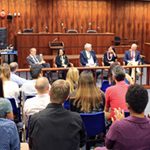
[19, 14]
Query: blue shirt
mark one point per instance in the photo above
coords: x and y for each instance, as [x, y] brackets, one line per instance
[20, 81]
[9, 139]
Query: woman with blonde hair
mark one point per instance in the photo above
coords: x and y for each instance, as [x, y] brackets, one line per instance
[88, 98]
[10, 88]
[72, 78]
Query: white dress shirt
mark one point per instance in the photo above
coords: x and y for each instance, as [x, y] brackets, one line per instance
[11, 90]
[35, 104]
[28, 89]
[90, 59]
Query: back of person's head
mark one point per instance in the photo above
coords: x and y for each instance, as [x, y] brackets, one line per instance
[35, 71]
[59, 91]
[72, 77]
[42, 85]
[5, 71]
[88, 96]
[5, 108]
[13, 66]
[137, 98]
[118, 73]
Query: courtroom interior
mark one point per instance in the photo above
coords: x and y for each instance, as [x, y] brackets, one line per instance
[74, 74]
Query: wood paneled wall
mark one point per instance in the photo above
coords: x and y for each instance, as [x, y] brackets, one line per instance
[126, 18]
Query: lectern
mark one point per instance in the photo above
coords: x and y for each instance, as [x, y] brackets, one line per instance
[55, 46]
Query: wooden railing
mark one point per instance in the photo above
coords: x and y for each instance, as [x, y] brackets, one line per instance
[145, 75]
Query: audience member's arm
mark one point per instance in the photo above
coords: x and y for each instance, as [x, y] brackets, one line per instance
[83, 136]
[128, 77]
[111, 136]
[14, 138]
[32, 130]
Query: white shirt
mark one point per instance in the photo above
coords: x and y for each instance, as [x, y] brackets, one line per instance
[36, 104]
[11, 90]
[28, 89]
[20, 81]
[90, 59]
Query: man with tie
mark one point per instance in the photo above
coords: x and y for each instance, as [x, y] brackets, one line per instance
[132, 58]
[34, 59]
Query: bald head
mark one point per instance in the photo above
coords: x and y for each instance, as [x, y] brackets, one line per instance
[13, 66]
[42, 85]
[134, 47]
[59, 91]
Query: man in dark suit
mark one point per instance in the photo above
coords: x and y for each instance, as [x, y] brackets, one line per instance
[88, 56]
[132, 58]
[56, 128]
[34, 59]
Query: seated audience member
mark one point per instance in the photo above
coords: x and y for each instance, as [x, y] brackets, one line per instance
[61, 59]
[28, 88]
[10, 88]
[9, 138]
[72, 78]
[110, 81]
[88, 56]
[128, 78]
[110, 56]
[132, 132]
[132, 58]
[34, 59]
[40, 101]
[115, 95]
[13, 77]
[88, 97]
[57, 128]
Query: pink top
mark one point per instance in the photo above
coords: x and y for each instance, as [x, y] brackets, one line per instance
[115, 97]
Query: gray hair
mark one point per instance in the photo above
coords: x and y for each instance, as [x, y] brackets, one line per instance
[13, 66]
[87, 45]
[118, 73]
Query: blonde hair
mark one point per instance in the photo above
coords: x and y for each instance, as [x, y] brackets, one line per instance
[72, 78]
[59, 91]
[88, 96]
[5, 71]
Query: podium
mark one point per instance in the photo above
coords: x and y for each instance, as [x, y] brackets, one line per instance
[55, 46]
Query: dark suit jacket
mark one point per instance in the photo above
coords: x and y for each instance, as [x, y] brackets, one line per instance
[84, 59]
[55, 128]
[31, 61]
[127, 56]
[106, 61]
[59, 62]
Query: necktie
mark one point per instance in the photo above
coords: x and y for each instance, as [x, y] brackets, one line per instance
[35, 59]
